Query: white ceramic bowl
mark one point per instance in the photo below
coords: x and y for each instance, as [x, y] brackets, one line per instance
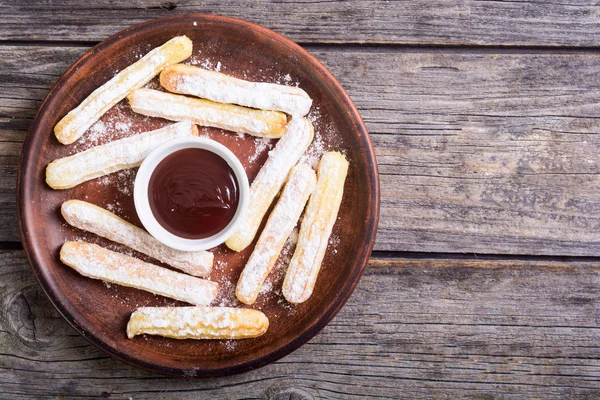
[142, 203]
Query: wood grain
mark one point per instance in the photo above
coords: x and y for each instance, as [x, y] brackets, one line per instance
[524, 23]
[412, 329]
[479, 151]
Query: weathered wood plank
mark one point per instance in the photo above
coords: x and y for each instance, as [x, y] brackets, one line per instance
[479, 151]
[528, 22]
[413, 329]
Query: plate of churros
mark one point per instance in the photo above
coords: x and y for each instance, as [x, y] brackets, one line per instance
[198, 196]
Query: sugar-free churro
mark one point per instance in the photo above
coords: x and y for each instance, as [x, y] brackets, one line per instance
[174, 107]
[198, 322]
[89, 217]
[78, 120]
[99, 263]
[280, 224]
[316, 227]
[68, 172]
[215, 86]
[270, 179]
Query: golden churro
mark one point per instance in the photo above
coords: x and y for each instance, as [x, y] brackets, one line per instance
[99, 263]
[270, 179]
[77, 121]
[280, 224]
[216, 86]
[198, 322]
[316, 227]
[91, 218]
[174, 107]
[67, 172]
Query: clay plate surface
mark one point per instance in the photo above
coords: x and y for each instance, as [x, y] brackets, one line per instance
[100, 311]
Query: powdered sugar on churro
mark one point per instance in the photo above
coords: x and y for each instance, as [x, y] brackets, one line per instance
[94, 219]
[215, 86]
[198, 322]
[282, 220]
[234, 118]
[111, 157]
[78, 120]
[99, 263]
[321, 214]
[270, 179]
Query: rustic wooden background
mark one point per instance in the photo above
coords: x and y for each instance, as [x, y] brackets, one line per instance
[485, 279]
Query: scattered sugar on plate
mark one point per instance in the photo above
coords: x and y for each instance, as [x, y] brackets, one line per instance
[230, 345]
[334, 242]
[260, 145]
[226, 294]
[205, 63]
[314, 153]
[124, 181]
[114, 123]
[104, 180]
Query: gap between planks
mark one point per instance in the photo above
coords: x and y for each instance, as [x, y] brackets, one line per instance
[353, 46]
[382, 258]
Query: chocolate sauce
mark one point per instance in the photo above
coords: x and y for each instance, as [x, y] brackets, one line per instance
[193, 193]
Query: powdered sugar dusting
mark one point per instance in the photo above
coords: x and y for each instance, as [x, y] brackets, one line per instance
[314, 153]
[205, 83]
[334, 242]
[106, 96]
[271, 178]
[226, 296]
[121, 154]
[260, 145]
[99, 263]
[94, 219]
[206, 63]
[114, 207]
[115, 124]
[321, 214]
[125, 179]
[155, 103]
[280, 224]
[275, 279]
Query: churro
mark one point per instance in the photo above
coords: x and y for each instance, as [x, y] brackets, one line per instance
[77, 121]
[198, 322]
[319, 218]
[97, 262]
[280, 224]
[216, 86]
[67, 172]
[296, 139]
[91, 218]
[174, 107]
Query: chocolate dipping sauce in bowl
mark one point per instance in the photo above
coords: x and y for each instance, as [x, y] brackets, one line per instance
[191, 193]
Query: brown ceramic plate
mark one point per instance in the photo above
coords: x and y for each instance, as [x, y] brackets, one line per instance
[99, 311]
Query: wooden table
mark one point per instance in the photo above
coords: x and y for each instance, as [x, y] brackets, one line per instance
[485, 279]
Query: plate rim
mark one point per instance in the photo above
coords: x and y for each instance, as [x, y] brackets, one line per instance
[331, 310]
